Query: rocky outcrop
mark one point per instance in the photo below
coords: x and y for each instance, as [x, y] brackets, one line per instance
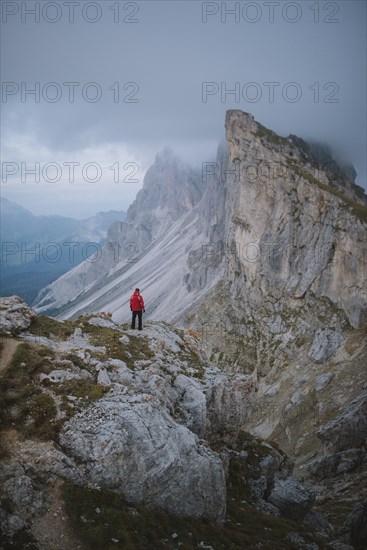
[130, 445]
[289, 242]
[288, 231]
[226, 413]
[349, 428]
[292, 498]
[15, 316]
[18, 489]
[344, 439]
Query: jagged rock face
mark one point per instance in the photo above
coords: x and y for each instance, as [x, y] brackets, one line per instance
[341, 175]
[287, 231]
[225, 405]
[15, 316]
[170, 186]
[291, 304]
[356, 526]
[347, 429]
[171, 189]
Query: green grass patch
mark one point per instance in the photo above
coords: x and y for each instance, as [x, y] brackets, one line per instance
[138, 347]
[30, 406]
[23, 404]
[262, 131]
[46, 326]
[82, 388]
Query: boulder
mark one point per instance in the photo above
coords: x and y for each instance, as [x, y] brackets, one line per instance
[103, 378]
[228, 404]
[348, 429]
[325, 344]
[15, 316]
[103, 322]
[60, 375]
[323, 380]
[137, 448]
[293, 499]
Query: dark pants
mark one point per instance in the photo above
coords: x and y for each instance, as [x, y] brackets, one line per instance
[140, 318]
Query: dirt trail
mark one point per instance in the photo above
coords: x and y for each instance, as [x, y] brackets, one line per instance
[7, 350]
[51, 528]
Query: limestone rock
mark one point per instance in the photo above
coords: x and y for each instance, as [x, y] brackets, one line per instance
[318, 522]
[103, 378]
[322, 381]
[11, 524]
[228, 404]
[102, 321]
[335, 463]
[19, 499]
[271, 392]
[141, 451]
[293, 499]
[15, 316]
[325, 343]
[59, 375]
[296, 399]
[347, 430]
[192, 403]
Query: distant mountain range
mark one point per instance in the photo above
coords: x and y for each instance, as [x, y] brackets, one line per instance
[36, 250]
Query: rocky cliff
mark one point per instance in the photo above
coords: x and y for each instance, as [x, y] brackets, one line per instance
[267, 264]
[290, 243]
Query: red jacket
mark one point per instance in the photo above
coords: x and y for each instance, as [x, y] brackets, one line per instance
[136, 302]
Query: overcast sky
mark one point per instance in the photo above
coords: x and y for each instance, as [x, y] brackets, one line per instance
[117, 81]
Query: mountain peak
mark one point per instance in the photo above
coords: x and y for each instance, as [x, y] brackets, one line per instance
[166, 156]
[315, 160]
[170, 186]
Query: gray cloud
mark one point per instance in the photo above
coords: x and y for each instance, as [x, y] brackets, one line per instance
[166, 57]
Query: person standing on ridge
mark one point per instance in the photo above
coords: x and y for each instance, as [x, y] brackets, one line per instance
[137, 308]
